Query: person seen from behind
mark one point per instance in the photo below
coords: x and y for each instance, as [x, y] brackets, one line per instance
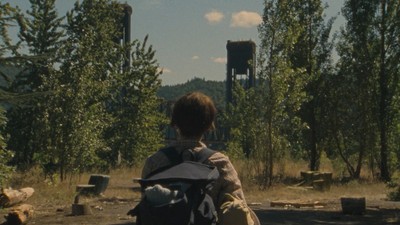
[192, 116]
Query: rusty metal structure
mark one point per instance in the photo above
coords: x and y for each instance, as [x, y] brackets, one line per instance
[126, 33]
[241, 65]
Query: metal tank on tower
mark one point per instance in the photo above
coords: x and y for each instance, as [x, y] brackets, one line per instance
[126, 32]
[241, 65]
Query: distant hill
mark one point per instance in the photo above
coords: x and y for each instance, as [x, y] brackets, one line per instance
[214, 89]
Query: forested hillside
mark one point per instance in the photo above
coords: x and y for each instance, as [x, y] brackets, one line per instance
[215, 89]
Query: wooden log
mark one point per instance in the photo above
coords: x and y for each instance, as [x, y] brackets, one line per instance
[10, 197]
[296, 204]
[356, 206]
[19, 215]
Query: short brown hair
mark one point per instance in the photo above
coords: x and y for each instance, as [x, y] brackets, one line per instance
[193, 114]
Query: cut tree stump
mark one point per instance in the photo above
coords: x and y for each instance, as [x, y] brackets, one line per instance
[10, 197]
[81, 209]
[355, 206]
[321, 185]
[307, 177]
[19, 215]
[320, 181]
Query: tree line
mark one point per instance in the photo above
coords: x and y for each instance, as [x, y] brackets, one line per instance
[81, 109]
[306, 102]
[74, 105]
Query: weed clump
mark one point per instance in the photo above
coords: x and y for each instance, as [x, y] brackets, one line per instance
[394, 194]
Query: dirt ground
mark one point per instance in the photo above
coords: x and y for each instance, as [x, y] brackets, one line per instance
[112, 211]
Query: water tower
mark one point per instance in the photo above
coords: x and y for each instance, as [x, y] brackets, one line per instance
[241, 65]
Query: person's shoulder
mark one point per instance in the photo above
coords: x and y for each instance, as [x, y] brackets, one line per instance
[218, 157]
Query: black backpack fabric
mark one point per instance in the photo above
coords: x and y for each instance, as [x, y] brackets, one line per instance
[186, 180]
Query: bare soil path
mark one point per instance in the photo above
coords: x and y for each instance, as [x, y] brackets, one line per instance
[112, 211]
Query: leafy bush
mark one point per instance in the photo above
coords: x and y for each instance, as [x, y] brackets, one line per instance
[394, 195]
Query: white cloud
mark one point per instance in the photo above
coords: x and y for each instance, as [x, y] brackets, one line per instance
[221, 60]
[214, 16]
[245, 19]
[195, 57]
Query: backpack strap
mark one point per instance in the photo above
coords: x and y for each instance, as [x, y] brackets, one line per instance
[204, 154]
[175, 157]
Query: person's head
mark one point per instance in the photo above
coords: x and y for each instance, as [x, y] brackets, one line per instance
[193, 114]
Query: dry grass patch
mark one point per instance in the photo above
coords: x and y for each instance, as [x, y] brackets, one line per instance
[52, 192]
[121, 185]
[372, 191]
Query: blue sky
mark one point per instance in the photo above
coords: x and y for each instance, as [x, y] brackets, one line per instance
[190, 36]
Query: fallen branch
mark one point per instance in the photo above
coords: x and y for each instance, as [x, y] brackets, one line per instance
[316, 204]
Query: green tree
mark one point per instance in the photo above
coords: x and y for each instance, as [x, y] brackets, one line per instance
[136, 130]
[91, 61]
[388, 21]
[312, 52]
[352, 123]
[8, 16]
[260, 118]
[41, 31]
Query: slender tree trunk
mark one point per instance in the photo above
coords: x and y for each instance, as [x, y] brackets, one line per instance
[383, 106]
[314, 156]
[314, 160]
[361, 154]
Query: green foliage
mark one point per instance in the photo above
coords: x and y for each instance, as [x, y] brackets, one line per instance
[394, 187]
[7, 17]
[362, 126]
[41, 31]
[352, 91]
[388, 20]
[135, 132]
[90, 63]
[312, 52]
[280, 91]
[96, 110]
[5, 154]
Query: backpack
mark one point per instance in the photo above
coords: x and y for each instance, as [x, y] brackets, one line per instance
[177, 194]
